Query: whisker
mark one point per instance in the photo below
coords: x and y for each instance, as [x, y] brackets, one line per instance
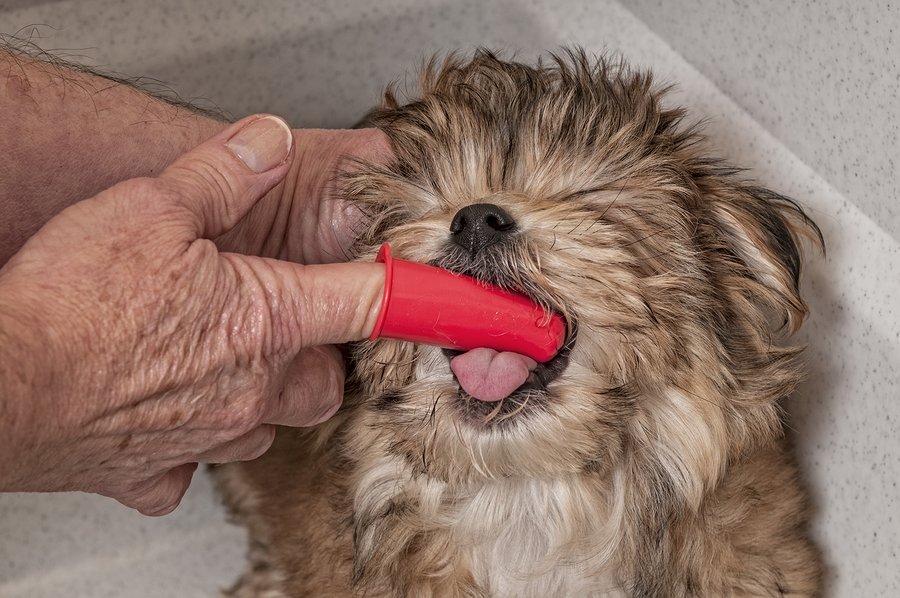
[411, 361]
[651, 235]
[574, 228]
[616, 198]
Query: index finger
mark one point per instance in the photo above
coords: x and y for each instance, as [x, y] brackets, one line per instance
[338, 303]
[315, 305]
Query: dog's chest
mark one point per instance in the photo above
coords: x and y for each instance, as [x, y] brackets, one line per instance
[536, 539]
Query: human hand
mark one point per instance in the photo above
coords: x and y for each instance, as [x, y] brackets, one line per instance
[132, 348]
[302, 219]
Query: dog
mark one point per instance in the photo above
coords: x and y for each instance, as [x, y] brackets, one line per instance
[648, 457]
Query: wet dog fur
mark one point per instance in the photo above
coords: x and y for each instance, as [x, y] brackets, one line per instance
[649, 460]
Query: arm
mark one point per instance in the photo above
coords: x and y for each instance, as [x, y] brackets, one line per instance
[66, 134]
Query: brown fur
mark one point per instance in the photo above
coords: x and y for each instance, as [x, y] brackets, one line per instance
[654, 464]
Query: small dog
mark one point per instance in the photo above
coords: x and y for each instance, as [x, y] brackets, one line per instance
[647, 458]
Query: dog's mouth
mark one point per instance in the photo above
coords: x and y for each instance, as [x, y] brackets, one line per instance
[495, 386]
[533, 391]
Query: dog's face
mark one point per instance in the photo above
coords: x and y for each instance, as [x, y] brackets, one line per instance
[571, 184]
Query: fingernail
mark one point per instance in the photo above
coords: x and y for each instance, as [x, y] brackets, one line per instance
[262, 144]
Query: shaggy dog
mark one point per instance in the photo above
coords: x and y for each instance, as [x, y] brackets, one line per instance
[647, 458]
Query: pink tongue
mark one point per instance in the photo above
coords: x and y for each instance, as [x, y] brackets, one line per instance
[489, 375]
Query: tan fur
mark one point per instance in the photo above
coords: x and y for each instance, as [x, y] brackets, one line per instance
[654, 464]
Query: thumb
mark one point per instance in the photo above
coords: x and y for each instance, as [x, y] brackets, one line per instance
[221, 179]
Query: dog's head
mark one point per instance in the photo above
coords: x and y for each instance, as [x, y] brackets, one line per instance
[570, 183]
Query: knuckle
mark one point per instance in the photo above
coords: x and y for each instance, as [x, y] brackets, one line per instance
[249, 316]
[287, 311]
[161, 507]
[239, 403]
[236, 422]
[154, 198]
[262, 441]
[242, 412]
[264, 316]
[153, 500]
[208, 180]
[333, 384]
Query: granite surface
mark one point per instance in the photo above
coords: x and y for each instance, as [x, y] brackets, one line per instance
[324, 63]
[823, 77]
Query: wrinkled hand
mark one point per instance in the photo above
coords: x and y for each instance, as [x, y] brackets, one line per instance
[302, 219]
[139, 348]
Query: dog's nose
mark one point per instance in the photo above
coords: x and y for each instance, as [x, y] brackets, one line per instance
[480, 225]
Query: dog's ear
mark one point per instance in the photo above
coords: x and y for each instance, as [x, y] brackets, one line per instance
[759, 235]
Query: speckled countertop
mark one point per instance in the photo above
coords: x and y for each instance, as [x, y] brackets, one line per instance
[323, 63]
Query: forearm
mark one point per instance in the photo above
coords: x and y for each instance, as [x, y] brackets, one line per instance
[66, 135]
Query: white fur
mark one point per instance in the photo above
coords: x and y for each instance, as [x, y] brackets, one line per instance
[514, 532]
[523, 527]
[694, 462]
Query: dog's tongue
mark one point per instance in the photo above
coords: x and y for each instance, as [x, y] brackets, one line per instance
[489, 375]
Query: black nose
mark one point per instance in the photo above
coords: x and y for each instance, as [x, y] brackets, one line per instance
[480, 225]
